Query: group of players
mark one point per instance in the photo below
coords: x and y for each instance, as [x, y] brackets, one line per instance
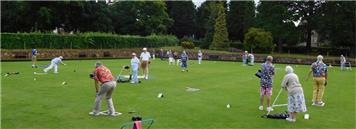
[105, 83]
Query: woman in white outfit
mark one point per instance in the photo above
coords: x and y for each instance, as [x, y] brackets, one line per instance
[296, 101]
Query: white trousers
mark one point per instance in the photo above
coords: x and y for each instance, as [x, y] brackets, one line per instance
[52, 65]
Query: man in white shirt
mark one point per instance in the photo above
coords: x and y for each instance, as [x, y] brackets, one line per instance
[145, 60]
[54, 64]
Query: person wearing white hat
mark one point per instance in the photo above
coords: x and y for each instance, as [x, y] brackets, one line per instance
[135, 63]
[145, 60]
[54, 64]
[296, 101]
[320, 74]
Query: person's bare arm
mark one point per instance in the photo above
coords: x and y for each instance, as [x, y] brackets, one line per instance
[308, 76]
[63, 63]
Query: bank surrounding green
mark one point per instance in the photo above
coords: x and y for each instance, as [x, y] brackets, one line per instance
[83, 41]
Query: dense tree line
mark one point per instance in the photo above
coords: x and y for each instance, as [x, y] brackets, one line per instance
[289, 22]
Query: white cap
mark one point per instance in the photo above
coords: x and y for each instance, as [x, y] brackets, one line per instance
[319, 57]
[289, 69]
[61, 57]
[145, 49]
[134, 54]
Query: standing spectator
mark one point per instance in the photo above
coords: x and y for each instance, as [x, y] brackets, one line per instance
[244, 58]
[267, 70]
[54, 64]
[200, 56]
[296, 101]
[153, 54]
[170, 57]
[161, 54]
[176, 58]
[105, 80]
[135, 63]
[184, 60]
[34, 57]
[252, 59]
[342, 62]
[145, 61]
[320, 74]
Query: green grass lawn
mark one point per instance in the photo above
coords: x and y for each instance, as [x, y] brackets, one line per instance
[45, 104]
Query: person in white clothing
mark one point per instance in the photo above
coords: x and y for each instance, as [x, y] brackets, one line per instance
[342, 62]
[54, 64]
[145, 61]
[252, 59]
[170, 57]
[135, 63]
[200, 56]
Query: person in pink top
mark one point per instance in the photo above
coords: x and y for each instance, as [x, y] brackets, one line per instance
[103, 79]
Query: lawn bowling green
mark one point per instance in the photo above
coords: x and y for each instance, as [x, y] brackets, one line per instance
[44, 103]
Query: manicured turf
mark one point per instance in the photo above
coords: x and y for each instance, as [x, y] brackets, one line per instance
[45, 103]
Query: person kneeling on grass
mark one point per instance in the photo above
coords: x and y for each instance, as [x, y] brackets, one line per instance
[54, 64]
[135, 62]
[184, 60]
[104, 78]
[296, 101]
[267, 73]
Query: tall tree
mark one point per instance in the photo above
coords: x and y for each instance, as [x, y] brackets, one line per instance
[278, 19]
[140, 17]
[307, 12]
[241, 16]
[220, 39]
[337, 23]
[183, 14]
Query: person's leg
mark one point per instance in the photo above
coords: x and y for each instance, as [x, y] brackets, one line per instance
[321, 89]
[97, 104]
[315, 91]
[262, 94]
[49, 67]
[147, 70]
[134, 74]
[55, 68]
[111, 88]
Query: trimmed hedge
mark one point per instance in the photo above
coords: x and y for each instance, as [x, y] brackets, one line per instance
[83, 41]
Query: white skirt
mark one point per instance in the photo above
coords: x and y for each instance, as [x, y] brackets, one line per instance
[296, 103]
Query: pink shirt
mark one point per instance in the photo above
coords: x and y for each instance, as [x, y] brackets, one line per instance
[103, 74]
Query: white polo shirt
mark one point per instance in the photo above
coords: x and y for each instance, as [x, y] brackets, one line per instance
[145, 56]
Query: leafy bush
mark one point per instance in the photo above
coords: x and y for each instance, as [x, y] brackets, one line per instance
[83, 41]
[258, 40]
[187, 45]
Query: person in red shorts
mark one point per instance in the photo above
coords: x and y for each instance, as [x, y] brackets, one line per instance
[103, 79]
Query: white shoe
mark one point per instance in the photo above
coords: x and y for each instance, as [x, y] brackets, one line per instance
[94, 113]
[45, 71]
[107, 113]
[260, 108]
[269, 109]
[321, 104]
[290, 119]
[116, 114]
[146, 77]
